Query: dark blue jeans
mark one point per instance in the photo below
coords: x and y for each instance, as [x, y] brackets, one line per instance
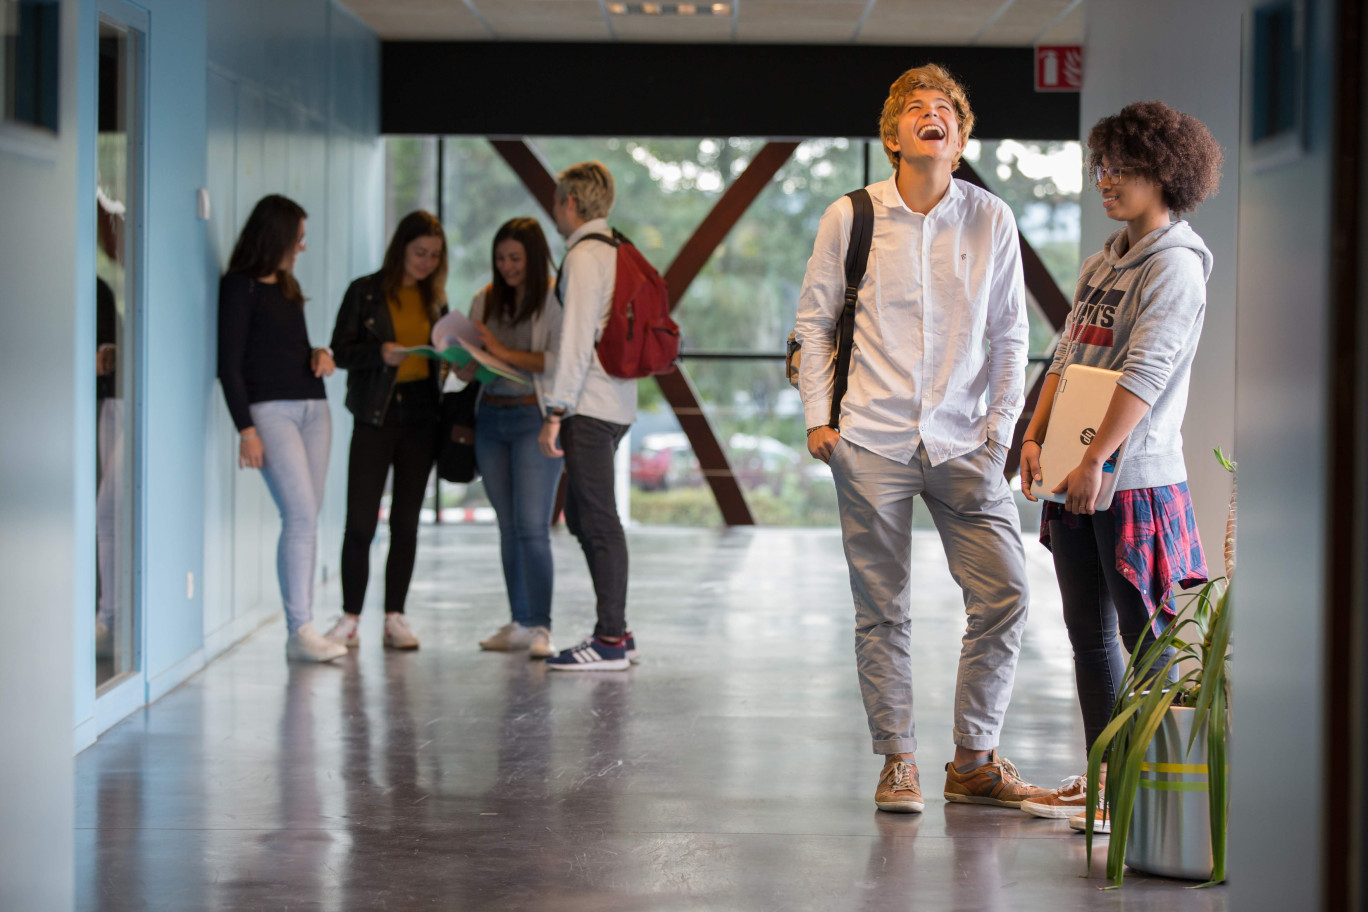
[1099, 604]
[521, 484]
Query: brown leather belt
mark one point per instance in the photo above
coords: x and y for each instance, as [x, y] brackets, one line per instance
[509, 401]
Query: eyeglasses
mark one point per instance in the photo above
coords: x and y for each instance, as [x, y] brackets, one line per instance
[1114, 175]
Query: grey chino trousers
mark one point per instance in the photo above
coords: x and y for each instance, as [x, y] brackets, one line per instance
[971, 505]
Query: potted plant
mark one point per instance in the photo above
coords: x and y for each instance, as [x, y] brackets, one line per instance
[1168, 779]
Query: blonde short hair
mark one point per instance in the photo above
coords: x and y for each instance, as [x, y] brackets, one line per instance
[591, 187]
[932, 77]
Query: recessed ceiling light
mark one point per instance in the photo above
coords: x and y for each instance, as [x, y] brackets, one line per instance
[668, 9]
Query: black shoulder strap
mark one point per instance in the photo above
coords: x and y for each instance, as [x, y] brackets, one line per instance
[857, 260]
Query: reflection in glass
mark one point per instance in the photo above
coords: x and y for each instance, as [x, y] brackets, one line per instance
[115, 623]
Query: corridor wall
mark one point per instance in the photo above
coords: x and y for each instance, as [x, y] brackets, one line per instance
[243, 99]
[40, 527]
[293, 95]
[1122, 66]
[1260, 381]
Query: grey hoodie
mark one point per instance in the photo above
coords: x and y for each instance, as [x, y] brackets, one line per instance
[1139, 311]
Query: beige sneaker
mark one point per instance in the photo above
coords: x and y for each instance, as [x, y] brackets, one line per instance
[344, 632]
[397, 632]
[996, 783]
[1080, 823]
[899, 788]
[308, 645]
[508, 638]
[1068, 800]
[542, 647]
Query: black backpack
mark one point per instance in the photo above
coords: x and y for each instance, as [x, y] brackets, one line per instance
[857, 260]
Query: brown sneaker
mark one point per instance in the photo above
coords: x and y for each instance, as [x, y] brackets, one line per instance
[997, 782]
[899, 788]
[1068, 800]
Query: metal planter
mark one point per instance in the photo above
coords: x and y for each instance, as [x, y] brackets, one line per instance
[1170, 832]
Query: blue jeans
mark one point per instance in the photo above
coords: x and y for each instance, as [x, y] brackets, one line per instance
[296, 435]
[521, 484]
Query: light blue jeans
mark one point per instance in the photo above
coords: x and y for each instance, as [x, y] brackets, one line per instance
[521, 484]
[296, 435]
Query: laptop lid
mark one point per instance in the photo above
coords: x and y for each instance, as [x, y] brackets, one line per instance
[1080, 404]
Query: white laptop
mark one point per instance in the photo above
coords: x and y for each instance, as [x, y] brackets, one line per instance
[1080, 404]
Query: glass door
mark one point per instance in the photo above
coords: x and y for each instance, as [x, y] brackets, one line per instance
[118, 315]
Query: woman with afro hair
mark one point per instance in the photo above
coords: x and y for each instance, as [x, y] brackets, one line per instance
[1138, 310]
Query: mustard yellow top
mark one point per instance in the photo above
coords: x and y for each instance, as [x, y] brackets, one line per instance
[411, 327]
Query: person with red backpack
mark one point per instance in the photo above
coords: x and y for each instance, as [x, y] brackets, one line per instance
[607, 295]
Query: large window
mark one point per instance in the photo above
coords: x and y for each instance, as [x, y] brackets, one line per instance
[738, 311]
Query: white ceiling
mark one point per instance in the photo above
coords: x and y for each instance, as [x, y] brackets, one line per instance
[911, 22]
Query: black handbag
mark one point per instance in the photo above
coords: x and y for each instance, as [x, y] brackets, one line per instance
[456, 448]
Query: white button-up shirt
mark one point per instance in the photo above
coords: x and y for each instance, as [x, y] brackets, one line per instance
[939, 356]
[576, 381]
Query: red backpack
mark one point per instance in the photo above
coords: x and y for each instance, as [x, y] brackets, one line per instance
[640, 339]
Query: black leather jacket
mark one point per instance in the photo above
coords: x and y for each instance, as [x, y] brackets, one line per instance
[363, 324]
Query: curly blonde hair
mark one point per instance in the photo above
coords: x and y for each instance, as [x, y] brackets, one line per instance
[933, 77]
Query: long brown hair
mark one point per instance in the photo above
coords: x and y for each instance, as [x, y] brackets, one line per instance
[271, 232]
[415, 225]
[502, 297]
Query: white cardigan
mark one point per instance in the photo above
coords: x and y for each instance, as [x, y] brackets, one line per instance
[546, 329]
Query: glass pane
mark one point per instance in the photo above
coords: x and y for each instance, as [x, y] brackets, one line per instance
[1042, 182]
[116, 159]
[410, 177]
[29, 32]
[746, 297]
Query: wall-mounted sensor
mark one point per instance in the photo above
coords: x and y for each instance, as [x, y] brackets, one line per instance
[202, 204]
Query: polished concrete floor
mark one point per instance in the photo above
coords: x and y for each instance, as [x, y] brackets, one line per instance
[730, 771]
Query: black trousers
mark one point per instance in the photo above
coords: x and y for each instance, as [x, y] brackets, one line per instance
[591, 514]
[407, 442]
[1102, 610]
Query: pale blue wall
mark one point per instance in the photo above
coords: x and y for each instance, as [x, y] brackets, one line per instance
[293, 94]
[244, 99]
[40, 374]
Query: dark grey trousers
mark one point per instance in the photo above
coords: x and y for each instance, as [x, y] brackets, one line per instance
[591, 514]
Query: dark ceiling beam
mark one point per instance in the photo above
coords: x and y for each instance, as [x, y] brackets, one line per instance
[622, 89]
[724, 215]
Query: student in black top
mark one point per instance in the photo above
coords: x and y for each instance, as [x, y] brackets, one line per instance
[272, 381]
[394, 399]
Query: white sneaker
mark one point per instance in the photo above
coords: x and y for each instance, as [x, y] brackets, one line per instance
[508, 638]
[346, 631]
[542, 647]
[1080, 823]
[308, 645]
[397, 632]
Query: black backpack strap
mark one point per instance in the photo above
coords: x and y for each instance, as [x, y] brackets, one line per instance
[857, 260]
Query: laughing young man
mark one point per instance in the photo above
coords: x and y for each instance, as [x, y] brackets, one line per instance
[935, 387]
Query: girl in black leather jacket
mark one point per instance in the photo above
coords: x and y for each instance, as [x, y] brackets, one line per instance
[394, 401]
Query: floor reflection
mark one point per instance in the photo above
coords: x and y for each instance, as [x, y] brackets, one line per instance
[731, 770]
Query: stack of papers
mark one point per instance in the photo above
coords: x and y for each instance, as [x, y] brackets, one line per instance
[456, 341]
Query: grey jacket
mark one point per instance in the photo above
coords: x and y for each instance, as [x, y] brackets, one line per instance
[1140, 311]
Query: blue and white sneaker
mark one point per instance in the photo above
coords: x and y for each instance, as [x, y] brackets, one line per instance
[591, 655]
[633, 654]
